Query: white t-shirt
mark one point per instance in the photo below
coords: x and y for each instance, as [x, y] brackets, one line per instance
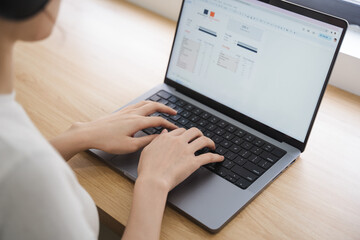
[40, 197]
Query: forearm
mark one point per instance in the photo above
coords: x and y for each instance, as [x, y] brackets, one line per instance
[71, 142]
[147, 210]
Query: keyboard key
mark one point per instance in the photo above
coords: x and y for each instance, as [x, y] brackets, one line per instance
[169, 104]
[268, 147]
[222, 124]
[240, 133]
[211, 127]
[230, 155]
[202, 151]
[214, 119]
[219, 131]
[164, 94]
[247, 145]
[211, 166]
[256, 150]
[249, 138]
[181, 103]
[154, 98]
[178, 109]
[244, 153]
[186, 114]
[156, 114]
[205, 115]
[258, 142]
[163, 101]
[222, 171]
[269, 157]
[264, 164]
[278, 152]
[231, 128]
[150, 131]
[220, 150]
[254, 159]
[190, 125]
[197, 111]
[183, 121]
[173, 99]
[201, 128]
[253, 168]
[175, 117]
[177, 124]
[189, 107]
[233, 175]
[208, 134]
[202, 123]
[194, 118]
[227, 164]
[228, 136]
[235, 148]
[159, 129]
[230, 179]
[240, 160]
[226, 144]
[217, 139]
[237, 141]
[242, 183]
[242, 172]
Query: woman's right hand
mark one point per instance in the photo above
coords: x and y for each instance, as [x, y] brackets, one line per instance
[170, 158]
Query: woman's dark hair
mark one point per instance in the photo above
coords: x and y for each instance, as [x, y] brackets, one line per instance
[20, 9]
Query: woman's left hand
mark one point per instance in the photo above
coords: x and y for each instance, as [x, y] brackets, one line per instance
[114, 133]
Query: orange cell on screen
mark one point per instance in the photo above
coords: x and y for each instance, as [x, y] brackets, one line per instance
[212, 14]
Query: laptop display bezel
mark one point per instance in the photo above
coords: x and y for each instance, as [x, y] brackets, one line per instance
[267, 130]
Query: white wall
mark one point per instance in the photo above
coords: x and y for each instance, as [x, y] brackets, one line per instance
[346, 73]
[167, 8]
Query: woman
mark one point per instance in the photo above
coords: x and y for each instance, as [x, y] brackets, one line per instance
[40, 196]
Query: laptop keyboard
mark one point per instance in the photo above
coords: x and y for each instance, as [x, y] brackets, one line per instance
[247, 157]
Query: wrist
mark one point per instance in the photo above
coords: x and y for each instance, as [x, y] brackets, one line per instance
[71, 142]
[152, 184]
[147, 209]
[79, 135]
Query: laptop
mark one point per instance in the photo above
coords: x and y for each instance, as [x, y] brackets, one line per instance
[250, 75]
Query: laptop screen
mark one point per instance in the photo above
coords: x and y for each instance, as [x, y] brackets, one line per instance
[265, 62]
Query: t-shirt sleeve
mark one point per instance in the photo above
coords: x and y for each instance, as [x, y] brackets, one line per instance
[41, 199]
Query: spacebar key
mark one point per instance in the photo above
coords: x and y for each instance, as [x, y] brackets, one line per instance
[244, 173]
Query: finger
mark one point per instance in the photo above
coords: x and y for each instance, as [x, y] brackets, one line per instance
[156, 122]
[141, 142]
[202, 142]
[153, 107]
[136, 105]
[209, 158]
[177, 132]
[192, 134]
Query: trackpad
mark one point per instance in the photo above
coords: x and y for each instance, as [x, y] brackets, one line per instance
[127, 164]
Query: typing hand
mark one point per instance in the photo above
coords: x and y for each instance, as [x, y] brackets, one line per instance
[170, 158]
[114, 133]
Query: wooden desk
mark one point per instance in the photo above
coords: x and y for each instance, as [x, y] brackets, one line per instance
[105, 53]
